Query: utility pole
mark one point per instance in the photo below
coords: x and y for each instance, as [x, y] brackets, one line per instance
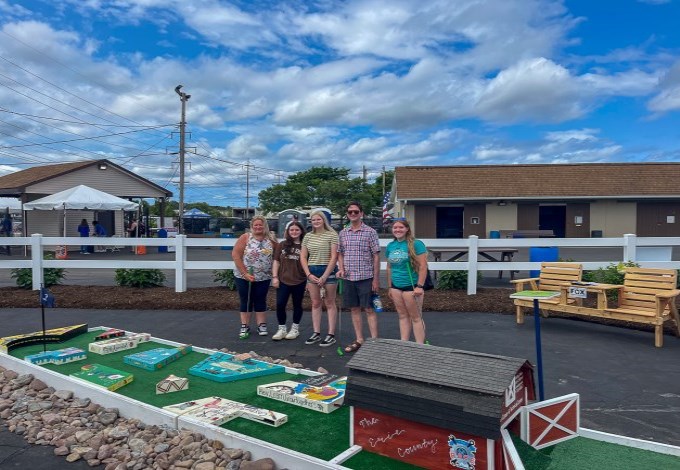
[364, 171]
[247, 190]
[383, 180]
[183, 97]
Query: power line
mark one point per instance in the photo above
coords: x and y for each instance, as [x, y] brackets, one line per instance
[4, 110]
[62, 89]
[97, 137]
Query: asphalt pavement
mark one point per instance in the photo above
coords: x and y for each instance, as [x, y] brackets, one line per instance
[627, 386]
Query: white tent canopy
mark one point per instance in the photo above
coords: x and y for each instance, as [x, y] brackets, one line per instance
[81, 197]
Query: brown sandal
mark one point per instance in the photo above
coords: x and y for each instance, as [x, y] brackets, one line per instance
[353, 347]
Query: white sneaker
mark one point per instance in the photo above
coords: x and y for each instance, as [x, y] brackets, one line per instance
[262, 329]
[280, 333]
[294, 332]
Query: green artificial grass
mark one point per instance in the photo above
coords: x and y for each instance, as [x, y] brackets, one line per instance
[589, 454]
[317, 434]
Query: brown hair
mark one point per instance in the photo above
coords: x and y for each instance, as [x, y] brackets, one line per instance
[288, 237]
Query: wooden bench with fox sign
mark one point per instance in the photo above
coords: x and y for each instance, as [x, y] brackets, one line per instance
[647, 297]
[553, 277]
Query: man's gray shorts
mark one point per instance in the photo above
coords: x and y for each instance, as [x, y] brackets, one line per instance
[357, 293]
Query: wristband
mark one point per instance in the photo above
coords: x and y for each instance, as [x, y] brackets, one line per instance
[419, 285]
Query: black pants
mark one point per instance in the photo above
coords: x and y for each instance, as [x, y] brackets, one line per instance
[282, 294]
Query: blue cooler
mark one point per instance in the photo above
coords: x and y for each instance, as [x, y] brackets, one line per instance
[227, 235]
[543, 253]
[494, 234]
[162, 233]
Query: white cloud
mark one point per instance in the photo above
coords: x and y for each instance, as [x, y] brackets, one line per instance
[668, 97]
[489, 152]
[532, 90]
[574, 135]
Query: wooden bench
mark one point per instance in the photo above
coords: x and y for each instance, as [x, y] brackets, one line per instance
[647, 296]
[553, 277]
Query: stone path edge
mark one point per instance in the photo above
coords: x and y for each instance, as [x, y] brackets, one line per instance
[151, 415]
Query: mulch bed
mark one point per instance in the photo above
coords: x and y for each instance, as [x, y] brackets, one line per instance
[487, 300]
[219, 298]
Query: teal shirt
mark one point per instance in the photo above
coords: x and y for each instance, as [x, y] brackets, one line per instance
[397, 256]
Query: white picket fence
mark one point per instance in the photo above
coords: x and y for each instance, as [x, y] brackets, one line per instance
[631, 247]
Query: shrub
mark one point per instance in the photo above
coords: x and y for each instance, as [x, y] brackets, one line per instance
[51, 276]
[139, 277]
[226, 277]
[612, 274]
[454, 280]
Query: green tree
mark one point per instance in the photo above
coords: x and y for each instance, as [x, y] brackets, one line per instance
[170, 208]
[322, 187]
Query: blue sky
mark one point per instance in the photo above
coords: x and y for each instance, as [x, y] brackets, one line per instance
[285, 85]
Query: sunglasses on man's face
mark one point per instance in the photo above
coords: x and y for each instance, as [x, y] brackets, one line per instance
[353, 212]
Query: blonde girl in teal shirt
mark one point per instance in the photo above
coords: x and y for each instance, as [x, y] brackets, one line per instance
[406, 272]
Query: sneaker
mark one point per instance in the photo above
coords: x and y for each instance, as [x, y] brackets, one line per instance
[327, 341]
[280, 333]
[244, 333]
[315, 338]
[262, 329]
[294, 332]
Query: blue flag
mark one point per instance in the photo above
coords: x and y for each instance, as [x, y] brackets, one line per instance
[46, 298]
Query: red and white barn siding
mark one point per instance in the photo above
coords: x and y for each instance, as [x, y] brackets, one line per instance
[551, 421]
[416, 443]
[517, 394]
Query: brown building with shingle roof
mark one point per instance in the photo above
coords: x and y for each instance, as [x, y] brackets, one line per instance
[104, 175]
[574, 200]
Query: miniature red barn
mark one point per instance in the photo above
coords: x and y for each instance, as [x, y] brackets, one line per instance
[434, 407]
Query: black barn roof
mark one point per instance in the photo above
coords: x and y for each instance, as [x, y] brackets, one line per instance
[442, 387]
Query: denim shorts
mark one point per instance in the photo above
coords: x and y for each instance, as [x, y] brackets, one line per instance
[318, 270]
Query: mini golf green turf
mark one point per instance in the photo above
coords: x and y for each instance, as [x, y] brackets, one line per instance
[317, 434]
[589, 454]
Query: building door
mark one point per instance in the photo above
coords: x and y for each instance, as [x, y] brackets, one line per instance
[553, 218]
[578, 221]
[449, 222]
[425, 222]
[658, 219]
[527, 216]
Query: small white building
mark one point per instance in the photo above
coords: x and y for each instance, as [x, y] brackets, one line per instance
[40, 181]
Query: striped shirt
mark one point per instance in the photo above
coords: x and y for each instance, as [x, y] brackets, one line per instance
[357, 248]
[319, 246]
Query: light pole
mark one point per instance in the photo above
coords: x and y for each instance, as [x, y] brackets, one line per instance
[183, 97]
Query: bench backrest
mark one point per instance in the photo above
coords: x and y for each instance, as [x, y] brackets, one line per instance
[554, 275]
[640, 286]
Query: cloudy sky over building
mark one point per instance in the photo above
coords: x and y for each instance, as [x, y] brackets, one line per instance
[285, 85]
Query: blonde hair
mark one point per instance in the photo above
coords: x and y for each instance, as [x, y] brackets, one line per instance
[410, 242]
[326, 225]
[267, 233]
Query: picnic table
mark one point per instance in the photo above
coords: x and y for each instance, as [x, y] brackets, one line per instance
[490, 254]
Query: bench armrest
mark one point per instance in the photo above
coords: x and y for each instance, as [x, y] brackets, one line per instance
[605, 287]
[529, 279]
[669, 294]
